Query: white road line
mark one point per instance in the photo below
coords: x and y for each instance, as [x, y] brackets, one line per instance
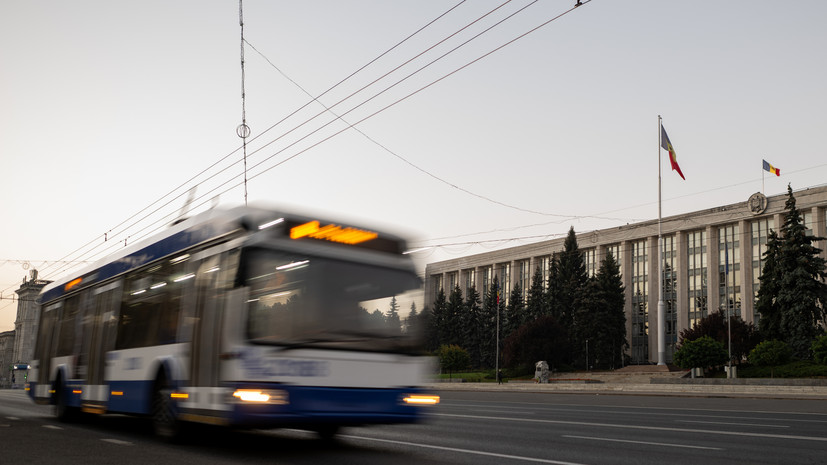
[648, 428]
[117, 441]
[52, 427]
[462, 451]
[12, 418]
[643, 442]
[735, 424]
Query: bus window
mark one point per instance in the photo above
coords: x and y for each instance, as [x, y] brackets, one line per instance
[67, 331]
[151, 305]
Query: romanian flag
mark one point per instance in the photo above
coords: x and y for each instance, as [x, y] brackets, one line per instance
[771, 169]
[667, 145]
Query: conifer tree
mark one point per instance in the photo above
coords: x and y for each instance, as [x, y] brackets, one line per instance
[516, 314]
[570, 293]
[471, 326]
[493, 303]
[802, 292]
[392, 317]
[552, 298]
[536, 303]
[412, 322]
[454, 318]
[436, 332]
[770, 322]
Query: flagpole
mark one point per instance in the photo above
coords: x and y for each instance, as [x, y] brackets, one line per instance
[661, 306]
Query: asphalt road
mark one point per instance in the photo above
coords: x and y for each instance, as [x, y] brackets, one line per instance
[467, 428]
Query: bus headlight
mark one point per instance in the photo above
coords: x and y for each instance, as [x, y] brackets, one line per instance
[261, 396]
[420, 399]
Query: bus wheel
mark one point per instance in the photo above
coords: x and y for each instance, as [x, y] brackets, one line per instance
[165, 422]
[63, 412]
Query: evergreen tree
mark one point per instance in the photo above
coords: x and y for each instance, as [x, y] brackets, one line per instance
[472, 338]
[493, 303]
[536, 303]
[802, 292]
[515, 315]
[611, 341]
[770, 322]
[572, 279]
[436, 332]
[552, 299]
[570, 293]
[392, 319]
[454, 319]
[412, 325]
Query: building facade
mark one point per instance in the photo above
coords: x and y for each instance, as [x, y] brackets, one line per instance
[6, 359]
[712, 259]
[28, 317]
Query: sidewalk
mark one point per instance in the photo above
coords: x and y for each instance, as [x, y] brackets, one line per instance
[659, 384]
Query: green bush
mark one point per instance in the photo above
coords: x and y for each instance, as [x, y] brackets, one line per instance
[771, 354]
[797, 369]
[820, 350]
[453, 358]
[704, 352]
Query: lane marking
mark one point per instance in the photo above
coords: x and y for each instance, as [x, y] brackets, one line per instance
[735, 424]
[643, 442]
[608, 410]
[12, 418]
[640, 407]
[118, 442]
[463, 451]
[52, 427]
[648, 428]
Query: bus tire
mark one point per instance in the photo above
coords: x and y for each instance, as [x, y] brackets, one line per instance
[63, 412]
[165, 422]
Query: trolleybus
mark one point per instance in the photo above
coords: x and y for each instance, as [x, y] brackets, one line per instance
[244, 317]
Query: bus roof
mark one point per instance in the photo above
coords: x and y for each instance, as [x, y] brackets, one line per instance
[205, 227]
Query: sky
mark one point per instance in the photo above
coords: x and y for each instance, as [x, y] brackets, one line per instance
[463, 126]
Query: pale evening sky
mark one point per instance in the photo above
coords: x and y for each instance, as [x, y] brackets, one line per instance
[107, 107]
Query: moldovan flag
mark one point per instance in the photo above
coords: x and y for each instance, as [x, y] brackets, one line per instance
[667, 145]
[771, 168]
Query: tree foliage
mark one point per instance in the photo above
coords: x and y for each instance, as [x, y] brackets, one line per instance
[793, 293]
[600, 319]
[541, 339]
[704, 352]
[820, 350]
[771, 353]
[744, 335]
[453, 358]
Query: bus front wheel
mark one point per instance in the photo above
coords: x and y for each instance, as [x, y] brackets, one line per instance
[165, 421]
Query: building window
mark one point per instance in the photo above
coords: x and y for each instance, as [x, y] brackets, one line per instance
[470, 281]
[453, 281]
[760, 232]
[544, 263]
[504, 277]
[640, 296]
[696, 274]
[590, 261]
[436, 280]
[525, 278]
[729, 267]
[487, 278]
[670, 294]
[616, 253]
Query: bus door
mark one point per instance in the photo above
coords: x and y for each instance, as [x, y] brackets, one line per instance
[98, 340]
[206, 340]
[43, 348]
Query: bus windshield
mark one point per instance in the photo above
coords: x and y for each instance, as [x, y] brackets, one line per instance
[305, 301]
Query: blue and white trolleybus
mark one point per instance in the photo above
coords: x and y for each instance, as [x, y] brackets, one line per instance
[244, 317]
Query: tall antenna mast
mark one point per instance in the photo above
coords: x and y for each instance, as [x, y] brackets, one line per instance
[243, 130]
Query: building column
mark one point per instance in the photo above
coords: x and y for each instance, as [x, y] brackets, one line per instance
[654, 292]
[747, 276]
[626, 257]
[712, 272]
[682, 282]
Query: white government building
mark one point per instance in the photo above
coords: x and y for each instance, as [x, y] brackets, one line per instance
[695, 247]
